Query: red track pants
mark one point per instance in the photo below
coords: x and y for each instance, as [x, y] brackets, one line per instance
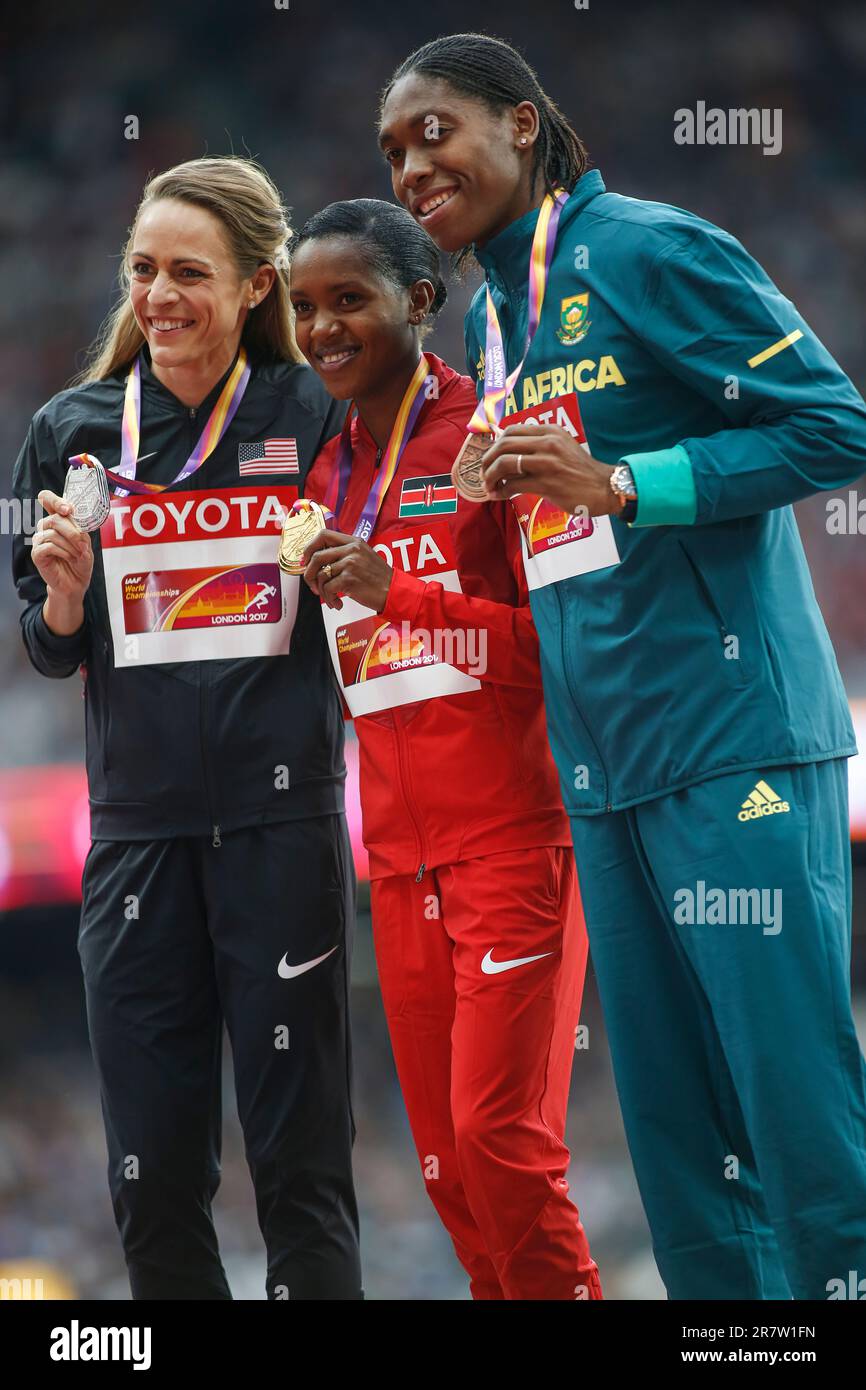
[483, 1038]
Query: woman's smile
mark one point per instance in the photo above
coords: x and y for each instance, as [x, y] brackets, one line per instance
[164, 326]
[331, 360]
[430, 208]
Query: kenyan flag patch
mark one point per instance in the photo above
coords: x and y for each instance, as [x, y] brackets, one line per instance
[428, 496]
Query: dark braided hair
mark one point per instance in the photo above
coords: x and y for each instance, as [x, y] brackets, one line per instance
[387, 237]
[495, 73]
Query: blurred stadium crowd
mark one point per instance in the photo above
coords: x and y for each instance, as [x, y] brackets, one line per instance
[297, 89]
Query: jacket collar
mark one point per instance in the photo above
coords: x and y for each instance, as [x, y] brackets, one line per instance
[160, 396]
[361, 437]
[505, 257]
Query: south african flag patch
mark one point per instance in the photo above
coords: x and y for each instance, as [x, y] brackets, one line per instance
[432, 496]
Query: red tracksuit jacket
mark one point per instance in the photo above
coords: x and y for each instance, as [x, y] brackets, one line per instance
[454, 765]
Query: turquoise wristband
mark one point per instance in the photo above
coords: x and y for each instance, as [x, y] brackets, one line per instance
[665, 483]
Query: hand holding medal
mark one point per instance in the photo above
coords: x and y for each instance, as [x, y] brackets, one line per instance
[61, 550]
[545, 461]
[340, 566]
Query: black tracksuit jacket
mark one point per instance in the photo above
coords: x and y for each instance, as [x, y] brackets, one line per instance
[189, 747]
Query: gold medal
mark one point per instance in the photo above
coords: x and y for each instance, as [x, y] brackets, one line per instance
[466, 470]
[86, 487]
[300, 526]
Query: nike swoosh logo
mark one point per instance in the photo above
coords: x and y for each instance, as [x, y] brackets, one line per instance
[495, 967]
[288, 972]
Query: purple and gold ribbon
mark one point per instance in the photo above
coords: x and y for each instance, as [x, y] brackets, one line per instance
[130, 434]
[498, 382]
[401, 433]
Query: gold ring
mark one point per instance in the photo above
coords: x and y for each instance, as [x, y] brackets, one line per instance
[326, 569]
[520, 465]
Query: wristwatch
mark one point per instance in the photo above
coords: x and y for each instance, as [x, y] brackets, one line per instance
[622, 485]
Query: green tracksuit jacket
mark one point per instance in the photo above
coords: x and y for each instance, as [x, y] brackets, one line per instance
[703, 650]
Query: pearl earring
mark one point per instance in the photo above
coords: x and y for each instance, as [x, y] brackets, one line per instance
[252, 304]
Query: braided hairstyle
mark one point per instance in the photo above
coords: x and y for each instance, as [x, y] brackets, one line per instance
[497, 74]
[388, 238]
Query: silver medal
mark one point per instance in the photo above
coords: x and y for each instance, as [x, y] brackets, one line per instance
[86, 487]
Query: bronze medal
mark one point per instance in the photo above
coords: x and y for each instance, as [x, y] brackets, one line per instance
[466, 469]
[86, 487]
[300, 526]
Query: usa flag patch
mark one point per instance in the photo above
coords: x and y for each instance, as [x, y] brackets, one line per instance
[269, 456]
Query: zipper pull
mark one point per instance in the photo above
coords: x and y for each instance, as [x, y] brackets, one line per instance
[378, 458]
[420, 873]
[216, 842]
[193, 411]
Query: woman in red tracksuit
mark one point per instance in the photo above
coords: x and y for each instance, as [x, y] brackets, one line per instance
[479, 935]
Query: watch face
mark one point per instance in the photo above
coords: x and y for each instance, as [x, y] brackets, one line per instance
[622, 481]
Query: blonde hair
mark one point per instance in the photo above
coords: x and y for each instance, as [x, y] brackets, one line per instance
[250, 210]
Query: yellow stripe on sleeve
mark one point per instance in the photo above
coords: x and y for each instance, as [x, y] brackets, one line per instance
[776, 347]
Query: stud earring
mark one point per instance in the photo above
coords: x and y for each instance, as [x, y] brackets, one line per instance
[252, 304]
[523, 139]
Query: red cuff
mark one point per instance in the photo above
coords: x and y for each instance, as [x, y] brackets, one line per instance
[404, 596]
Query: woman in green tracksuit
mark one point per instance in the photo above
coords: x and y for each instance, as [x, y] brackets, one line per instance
[694, 704]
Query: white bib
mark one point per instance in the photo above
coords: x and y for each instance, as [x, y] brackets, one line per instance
[557, 546]
[193, 576]
[382, 663]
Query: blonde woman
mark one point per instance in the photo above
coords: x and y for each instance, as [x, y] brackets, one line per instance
[219, 884]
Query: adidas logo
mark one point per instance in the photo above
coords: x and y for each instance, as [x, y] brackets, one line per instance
[763, 801]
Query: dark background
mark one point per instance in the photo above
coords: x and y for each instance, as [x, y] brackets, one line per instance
[298, 90]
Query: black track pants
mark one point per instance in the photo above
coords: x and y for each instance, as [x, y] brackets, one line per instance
[178, 936]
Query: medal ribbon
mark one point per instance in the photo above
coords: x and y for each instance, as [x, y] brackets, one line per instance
[218, 422]
[498, 384]
[401, 433]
